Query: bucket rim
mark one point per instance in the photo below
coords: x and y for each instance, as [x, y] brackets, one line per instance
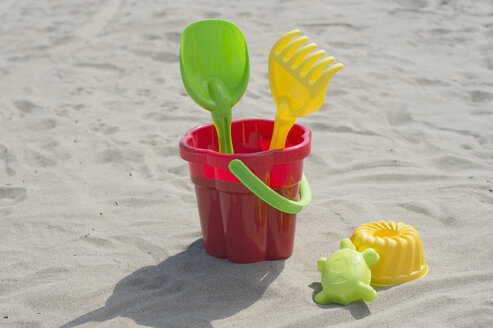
[261, 158]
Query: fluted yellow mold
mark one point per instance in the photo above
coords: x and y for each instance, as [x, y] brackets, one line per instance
[400, 248]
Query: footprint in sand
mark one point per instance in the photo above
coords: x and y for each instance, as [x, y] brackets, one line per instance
[11, 195]
[104, 128]
[26, 106]
[479, 96]
[40, 124]
[174, 37]
[162, 56]
[8, 159]
[180, 170]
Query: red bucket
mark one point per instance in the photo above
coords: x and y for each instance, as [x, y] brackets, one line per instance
[236, 224]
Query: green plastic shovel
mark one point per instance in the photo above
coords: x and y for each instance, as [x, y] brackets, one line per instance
[215, 70]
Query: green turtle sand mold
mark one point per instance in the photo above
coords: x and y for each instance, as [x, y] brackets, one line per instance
[346, 275]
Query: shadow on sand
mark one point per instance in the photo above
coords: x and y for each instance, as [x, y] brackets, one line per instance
[190, 289]
[358, 310]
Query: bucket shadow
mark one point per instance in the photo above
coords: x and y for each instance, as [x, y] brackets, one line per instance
[358, 310]
[189, 289]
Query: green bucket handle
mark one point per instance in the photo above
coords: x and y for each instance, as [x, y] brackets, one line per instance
[264, 192]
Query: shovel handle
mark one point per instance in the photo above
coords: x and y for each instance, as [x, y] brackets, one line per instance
[266, 193]
[221, 115]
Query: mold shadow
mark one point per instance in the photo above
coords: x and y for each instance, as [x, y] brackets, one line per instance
[358, 310]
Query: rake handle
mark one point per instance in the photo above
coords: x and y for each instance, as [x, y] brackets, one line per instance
[282, 125]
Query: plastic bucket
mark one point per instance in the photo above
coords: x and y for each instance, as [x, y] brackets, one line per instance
[237, 224]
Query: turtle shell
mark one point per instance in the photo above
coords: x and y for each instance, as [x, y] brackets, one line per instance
[347, 267]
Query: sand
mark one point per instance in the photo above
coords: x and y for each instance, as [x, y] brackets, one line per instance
[98, 219]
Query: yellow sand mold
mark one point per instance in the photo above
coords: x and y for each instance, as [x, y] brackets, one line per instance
[400, 248]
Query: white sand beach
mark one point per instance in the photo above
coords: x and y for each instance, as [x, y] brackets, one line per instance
[98, 218]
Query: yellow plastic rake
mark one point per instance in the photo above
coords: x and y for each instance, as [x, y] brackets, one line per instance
[297, 81]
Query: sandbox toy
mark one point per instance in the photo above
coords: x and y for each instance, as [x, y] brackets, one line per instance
[236, 223]
[400, 248]
[391, 253]
[346, 275]
[248, 174]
